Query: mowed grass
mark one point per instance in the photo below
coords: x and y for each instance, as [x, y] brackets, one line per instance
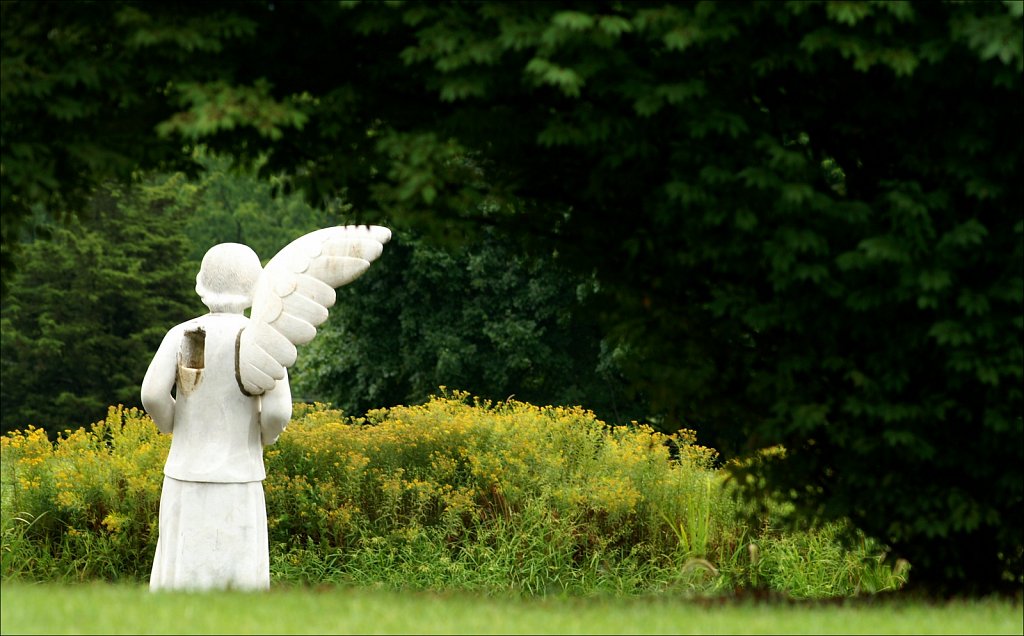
[98, 608]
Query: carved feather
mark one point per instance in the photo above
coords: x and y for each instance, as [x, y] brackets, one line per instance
[293, 294]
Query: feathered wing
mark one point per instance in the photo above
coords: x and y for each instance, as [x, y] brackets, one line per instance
[293, 294]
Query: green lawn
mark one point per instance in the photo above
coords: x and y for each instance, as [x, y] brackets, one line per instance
[123, 609]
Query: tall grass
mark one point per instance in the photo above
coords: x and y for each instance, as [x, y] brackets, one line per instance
[455, 494]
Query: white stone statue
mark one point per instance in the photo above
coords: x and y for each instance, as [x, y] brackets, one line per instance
[219, 384]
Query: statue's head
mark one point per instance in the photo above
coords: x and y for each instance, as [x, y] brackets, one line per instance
[227, 277]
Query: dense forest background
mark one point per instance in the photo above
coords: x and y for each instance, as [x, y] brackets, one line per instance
[481, 317]
[792, 225]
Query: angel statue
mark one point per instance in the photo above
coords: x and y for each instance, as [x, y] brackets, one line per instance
[219, 383]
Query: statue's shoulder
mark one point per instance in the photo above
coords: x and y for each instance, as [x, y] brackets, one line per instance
[215, 322]
[218, 325]
[210, 328]
[174, 333]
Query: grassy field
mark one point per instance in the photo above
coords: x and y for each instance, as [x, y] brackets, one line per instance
[123, 609]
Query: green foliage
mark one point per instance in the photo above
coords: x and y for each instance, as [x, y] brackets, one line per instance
[451, 495]
[231, 204]
[862, 315]
[810, 564]
[520, 331]
[804, 219]
[89, 305]
[73, 104]
[485, 318]
[218, 106]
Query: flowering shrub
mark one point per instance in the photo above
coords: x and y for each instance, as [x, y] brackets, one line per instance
[455, 493]
[451, 466]
[86, 505]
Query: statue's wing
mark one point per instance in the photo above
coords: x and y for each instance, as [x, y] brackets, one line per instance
[293, 294]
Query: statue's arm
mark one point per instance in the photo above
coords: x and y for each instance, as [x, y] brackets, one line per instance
[159, 381]
[275, 410]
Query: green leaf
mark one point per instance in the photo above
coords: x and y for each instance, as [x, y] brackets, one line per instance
[884, 248]
[686, 193]
[614, 25]
[966, 234]
[950, 332]
[897, 437]
[988, 375]
[796, 194]
[745, 219]
[567, 79]
[934, 280]
[759, 177]
[902, 10]
[810, 416]
[681, 92]
[972, 303]
[847, 12]
[457, 88]
[573, 20]
[681, 37]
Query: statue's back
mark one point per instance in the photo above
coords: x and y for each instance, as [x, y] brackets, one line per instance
[216, 426]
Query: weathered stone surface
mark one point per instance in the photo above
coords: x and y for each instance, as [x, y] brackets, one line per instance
[219, 384]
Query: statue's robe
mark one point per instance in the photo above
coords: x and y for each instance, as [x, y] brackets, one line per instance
[213, 519]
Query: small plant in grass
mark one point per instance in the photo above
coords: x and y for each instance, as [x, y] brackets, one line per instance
[815, 564]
